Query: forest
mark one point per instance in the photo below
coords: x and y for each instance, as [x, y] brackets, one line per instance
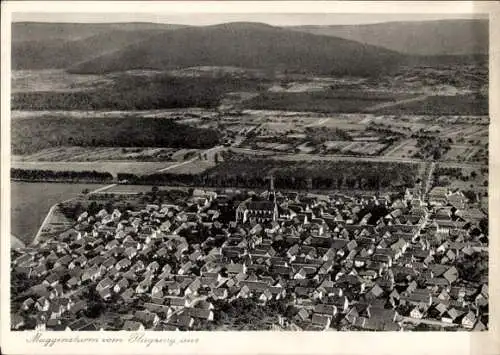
[31, 135]
[254, 173]
[135, 92]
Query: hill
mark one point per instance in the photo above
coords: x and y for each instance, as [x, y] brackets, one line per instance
[429, 38]
[247, 45]
[43, 31]
[53, 53]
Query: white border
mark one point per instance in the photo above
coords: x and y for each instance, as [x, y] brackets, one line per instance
[260, 342]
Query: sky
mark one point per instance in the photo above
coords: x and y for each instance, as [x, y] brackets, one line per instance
[276, 19]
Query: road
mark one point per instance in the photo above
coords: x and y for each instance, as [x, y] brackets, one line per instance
[101, 189]
[210, 156]
[47, 221]
[318, 123]
[15, 242]
[177, 165]
[396, 103]
[428, 182]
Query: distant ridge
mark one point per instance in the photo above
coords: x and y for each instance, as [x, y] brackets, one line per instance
[247, 45]
[358, 50]
[42, 31]
[442, 37]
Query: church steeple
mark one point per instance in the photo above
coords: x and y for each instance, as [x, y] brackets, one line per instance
[272, 194]
[272, 197]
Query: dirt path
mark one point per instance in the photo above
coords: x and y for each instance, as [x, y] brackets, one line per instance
[101, 189]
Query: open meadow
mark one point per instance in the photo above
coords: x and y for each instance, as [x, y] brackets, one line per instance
[30, 203]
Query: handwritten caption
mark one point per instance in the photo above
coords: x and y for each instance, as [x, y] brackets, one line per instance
[47, 340]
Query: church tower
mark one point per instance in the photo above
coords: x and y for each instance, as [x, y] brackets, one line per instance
[272, 197]
[272, 194]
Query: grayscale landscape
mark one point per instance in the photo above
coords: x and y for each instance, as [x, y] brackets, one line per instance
[250, 176]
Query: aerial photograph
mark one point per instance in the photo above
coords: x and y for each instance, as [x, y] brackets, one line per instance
[231, 172]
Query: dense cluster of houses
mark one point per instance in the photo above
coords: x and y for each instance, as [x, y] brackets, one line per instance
[335, 261]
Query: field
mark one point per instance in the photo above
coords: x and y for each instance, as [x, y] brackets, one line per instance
[324, 101]
[53, 80]
[130, 91]
[459, 176]
[441, 105]
[403, 149]
[460, 153]
[113, 167]
[86, 154]
[194, 167]
[30, 203]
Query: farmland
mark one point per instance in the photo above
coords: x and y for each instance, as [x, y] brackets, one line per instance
[323, 101]
[30, 203]
[441, 105]
[96, 154]
[55, 80]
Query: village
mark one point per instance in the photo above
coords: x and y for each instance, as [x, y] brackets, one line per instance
[311, 261]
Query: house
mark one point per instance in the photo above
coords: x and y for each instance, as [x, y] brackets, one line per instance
[198, 313]
[121, 285]
[131, 325]
[301, 316]
[376, 291]
[80, 324]
[219, 293]
[16, 321]
[341, 302]
[234, 269]
[153, 266]
[147, 318]
[181, 321]
[55, 324]
[51, 280]
[417, 312]
[325, 309]
[177, 302]
[128, 295]
[130, 252]
[78, 306]
[479, 327]
[321, 320]
[469, 320]
[451, 315]
[451, 275]
[105, 293]
[143, 286]
[109, 263]
[91, 273]
[42, 304]
[27, 304]
[104, 284]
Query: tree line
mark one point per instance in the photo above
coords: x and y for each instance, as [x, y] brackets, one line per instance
[66, 176]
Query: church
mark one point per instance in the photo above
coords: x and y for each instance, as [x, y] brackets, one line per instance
[260, 211]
